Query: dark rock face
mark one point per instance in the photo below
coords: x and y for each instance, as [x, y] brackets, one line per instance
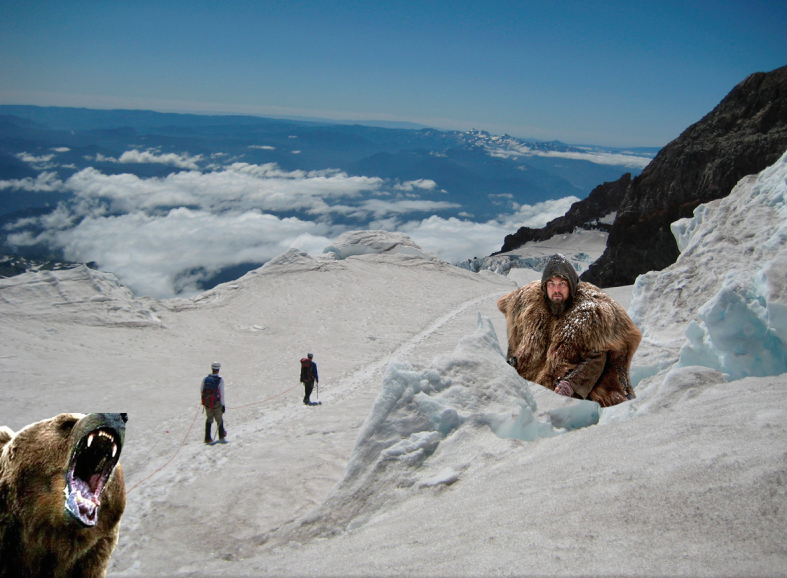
[743, 135]
[602, 201]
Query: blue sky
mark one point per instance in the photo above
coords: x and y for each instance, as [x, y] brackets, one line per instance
[609, 73]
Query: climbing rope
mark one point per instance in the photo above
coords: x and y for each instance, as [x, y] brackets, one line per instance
[170, 460]
[192, 426]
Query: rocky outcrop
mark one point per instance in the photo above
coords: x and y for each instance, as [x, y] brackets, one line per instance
[743, 135]
[603, 201]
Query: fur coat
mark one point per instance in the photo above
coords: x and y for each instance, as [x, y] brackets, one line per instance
[549, 347]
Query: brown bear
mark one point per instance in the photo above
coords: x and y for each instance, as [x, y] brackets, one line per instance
[61, 496]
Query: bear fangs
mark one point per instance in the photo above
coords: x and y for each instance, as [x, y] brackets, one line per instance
[106, 435]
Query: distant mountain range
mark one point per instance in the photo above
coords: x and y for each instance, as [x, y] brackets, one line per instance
[479, 171]
[368, 176]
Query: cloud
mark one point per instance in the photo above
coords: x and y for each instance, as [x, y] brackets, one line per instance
[167, 255]
[455, 240]
[40, 163]
[240, 186]
[46, 182]
[32, 159]
[263, 147]
[599, 157]
[61, 149]
[538, 215]
[101, 158]
[172, 159]
[423, 184]
[379, 208]
[163, 236]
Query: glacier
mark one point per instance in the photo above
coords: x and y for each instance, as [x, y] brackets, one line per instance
[723, 303]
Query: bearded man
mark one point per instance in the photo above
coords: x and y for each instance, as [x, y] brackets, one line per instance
[570, 336]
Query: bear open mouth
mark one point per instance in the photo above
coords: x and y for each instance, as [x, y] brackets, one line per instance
[93, 461]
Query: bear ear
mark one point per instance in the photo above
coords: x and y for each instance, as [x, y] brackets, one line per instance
[6, 433]
[65, 422]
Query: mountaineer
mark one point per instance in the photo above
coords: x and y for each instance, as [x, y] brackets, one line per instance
[212, 394]
[309, 377]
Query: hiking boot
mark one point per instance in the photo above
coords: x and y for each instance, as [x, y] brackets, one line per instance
[222, 433]
[208, 439]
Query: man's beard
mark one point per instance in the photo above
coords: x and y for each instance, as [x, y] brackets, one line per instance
[557, 309]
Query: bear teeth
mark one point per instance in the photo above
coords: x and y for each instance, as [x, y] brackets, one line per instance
[103, 434]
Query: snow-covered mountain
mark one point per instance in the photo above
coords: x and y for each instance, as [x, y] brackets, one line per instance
[507, 146]
[429, 455]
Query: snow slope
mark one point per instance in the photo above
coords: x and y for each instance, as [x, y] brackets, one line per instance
[582, 248]
[429, 456]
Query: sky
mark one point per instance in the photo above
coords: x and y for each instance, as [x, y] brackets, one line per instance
[607, 73]
[429, 455]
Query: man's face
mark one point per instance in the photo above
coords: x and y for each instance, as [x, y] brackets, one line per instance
[557, 290]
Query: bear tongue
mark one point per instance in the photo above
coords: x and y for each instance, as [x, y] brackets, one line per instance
[83, 508]
[87, 507]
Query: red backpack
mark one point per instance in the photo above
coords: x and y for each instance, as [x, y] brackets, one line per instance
[306, 370]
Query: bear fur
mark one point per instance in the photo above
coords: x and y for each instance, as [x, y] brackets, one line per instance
[547, 347]
[61, 496]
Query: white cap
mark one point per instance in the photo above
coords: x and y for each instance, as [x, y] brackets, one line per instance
[215, 365]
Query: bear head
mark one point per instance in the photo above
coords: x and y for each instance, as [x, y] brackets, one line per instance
[61, 494]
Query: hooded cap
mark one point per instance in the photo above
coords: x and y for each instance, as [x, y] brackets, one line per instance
[559, 266]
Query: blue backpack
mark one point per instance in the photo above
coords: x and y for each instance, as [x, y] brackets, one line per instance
[211, 396]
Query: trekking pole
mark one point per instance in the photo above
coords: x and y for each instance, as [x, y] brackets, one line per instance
[317, 390]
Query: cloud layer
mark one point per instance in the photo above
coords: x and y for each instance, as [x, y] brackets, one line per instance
[630, 160]
[162, 236]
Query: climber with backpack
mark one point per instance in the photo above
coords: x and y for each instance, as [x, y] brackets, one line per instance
[213, 400]
[309, 377]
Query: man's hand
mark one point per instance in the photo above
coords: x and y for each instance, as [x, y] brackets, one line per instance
[223, 409]
[564, 388]
[512, 361]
